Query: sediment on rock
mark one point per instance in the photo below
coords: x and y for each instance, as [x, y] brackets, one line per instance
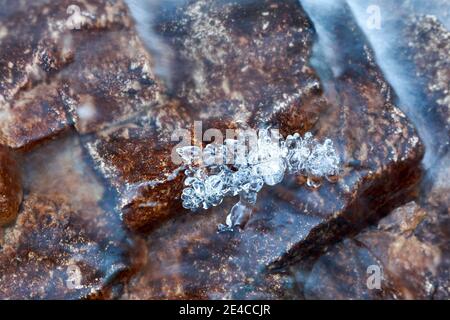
[10, 186]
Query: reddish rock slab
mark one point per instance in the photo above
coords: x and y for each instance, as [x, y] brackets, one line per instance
[436, 229]
[412, 265]
[86, 54]
[34, 115]
[66, 243]
[109, 81]
[292, 101]
[136, 159]
[245, 60]
[10, 186]
[429, 48]
[36, 37]
[411, 247]
[380, 154]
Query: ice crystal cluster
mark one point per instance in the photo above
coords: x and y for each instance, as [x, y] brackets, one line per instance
[240, 167]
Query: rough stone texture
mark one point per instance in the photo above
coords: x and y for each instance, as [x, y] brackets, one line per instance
[429, 48]
[64, 244]
[411, 245]
[110, 80]
[10, 186]
[244, 60]
[33, 116]
[98, 73]
[411, 248]
[35, 37]
[380, 153]
[233, 63]
[136, 159]
[408, 262]
[277, 88]
[435, 198]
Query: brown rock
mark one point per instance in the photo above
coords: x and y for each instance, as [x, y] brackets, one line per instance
[436, 228]
[33, 116]
[380, 153]
[36, 37]
[244, 60]
[429, 48]
[109, 81]
[66, 244]
[136, 159]
[410, 246]
[344, 273]
[86, 54]
[10, 187]
[70, 244]
[411, 265]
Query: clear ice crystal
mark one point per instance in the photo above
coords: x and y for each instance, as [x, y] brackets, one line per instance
[236, 168]
[190, 154]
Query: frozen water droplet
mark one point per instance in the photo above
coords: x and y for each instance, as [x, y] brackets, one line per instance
[190, 154]
[313, 182]
[249, 197]
[239, 215]
[271, 171]
[323, 160]
[233, 169]
[214, 155]
[189, 181]
[256, 184]
[198, 187]
[332, 178]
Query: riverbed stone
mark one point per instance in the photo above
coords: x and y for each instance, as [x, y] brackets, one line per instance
[65, 244]
[10, 186]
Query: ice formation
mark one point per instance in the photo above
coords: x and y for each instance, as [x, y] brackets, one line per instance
[239, 167]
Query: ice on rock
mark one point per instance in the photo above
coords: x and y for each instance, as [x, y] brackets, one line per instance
[271, 171]
[190, 154]
[267, 159]
[298, 152]
[214, 190]
[240, 168]
[214, 154]
[323, 160]
[238, 216]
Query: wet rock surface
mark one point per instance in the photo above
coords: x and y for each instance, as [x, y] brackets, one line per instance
[35, 115]
[110, 80]
[10, 186]
[82, 63]
[92, 120]
[429, 47]
[381, 153]
[406, 261]
[136, 159]
[65, 244]
[244, 60]
[409, 248]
